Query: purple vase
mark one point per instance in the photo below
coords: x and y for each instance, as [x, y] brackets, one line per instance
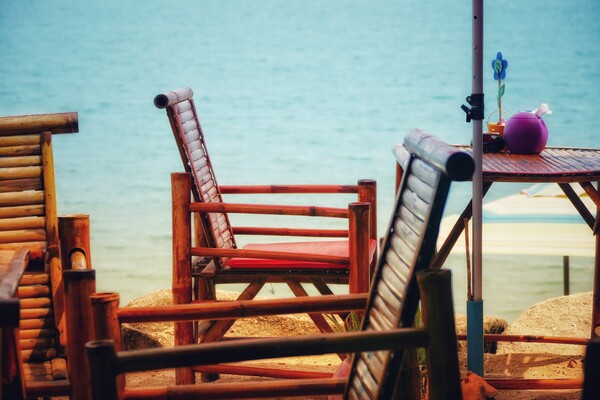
[525, 133]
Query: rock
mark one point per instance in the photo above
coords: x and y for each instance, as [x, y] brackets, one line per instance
[565, 316]
[494, 325]
[160, 334]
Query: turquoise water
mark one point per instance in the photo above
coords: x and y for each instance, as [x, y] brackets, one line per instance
[300, 92]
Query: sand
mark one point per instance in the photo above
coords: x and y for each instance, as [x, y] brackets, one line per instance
[563, 316]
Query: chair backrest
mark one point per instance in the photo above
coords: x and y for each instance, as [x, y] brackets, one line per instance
[192, 148]
[29, 219]
[408, 247]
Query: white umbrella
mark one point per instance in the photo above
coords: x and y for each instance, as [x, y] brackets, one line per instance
[538, 221]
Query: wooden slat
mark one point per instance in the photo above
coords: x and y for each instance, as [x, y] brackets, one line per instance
[26, 292]
[422, 189]
[21, 161]
[182, 107]
[38, 354]
[415, 204]
[20, 172]
[189, 126]
[38, 278]
[391, 315]
[186, 116]
[20, 185]
[36, 313]
[21, 199]
[22, 223]
[19, 140]
[424, 172]
[31, 235]
[37, 343]
[17, 151]
[22, 211]
[38, 369]
[36, 333]
[35, 302]
[40, 323]
[36, 249]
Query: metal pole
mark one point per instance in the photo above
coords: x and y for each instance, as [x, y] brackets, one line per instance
[475, 307]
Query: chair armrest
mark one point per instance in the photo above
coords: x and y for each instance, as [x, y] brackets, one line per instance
[309, 211]
[274, 255]
[287, 189]
[243, 308]
[270, 231]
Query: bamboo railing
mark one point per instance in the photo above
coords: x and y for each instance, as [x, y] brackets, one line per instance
[108, 362]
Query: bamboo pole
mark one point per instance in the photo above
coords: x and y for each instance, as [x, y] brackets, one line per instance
[22, 211]
[287, 189]
[28, 198]
[438, 315]
[75, 241]
[275, 255]
[252, 349]
[367, 192]
[308, 211]
[530, 339]
[297, 388]
[252, 230]
[102, 359]
[241, 309]
[359, 268]
[105, 308]
[54, 266]
[536, 384]
[79, 285]
[56, 123]
[182, 268]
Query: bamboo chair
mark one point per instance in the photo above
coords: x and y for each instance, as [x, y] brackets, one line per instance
[390, 310]
[29, 226]
[218, 259]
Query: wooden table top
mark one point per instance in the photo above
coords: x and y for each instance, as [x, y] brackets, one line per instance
[554, 164]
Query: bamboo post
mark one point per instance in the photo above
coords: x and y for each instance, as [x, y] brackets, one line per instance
[79, 285]
[54, 264]
[358, 231]
[367, 192]
[75, 241]
[105, 308]
[102, 359]
[182, 266]
[566, 278]
[438, 315]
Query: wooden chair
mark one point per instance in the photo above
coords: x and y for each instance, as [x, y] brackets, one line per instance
[385, 333]
[316, 262]
[29, 225]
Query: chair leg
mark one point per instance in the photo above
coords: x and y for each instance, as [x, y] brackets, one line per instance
[299, 291]
[219, 328]
[322, 287]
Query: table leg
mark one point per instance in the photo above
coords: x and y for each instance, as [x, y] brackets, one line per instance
[444, 251]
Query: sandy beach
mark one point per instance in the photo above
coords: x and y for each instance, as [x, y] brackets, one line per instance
[562, 316]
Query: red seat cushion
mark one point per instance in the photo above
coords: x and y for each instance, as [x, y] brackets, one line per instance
[332, 248]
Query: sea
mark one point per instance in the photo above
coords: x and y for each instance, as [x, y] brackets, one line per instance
[305, 91]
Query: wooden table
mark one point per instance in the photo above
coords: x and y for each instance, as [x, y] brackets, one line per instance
[564, 166]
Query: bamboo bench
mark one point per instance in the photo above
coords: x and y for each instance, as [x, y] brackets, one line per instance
[391, 306]
[29, 224]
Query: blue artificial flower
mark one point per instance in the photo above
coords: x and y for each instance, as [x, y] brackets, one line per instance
[499, 65]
